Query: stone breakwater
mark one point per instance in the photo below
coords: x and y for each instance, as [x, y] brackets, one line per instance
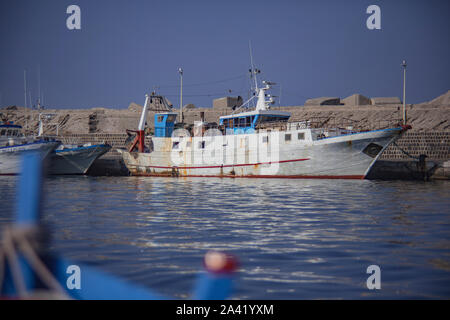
[424, 117]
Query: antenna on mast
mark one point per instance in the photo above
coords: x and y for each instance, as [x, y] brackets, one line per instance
[404, 92]
[25, 85]
[253, 70]
[39, 85]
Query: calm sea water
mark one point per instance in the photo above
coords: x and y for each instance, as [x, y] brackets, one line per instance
[295, 239]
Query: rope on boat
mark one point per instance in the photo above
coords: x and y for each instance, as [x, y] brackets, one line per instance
[15, 241]
[426, 173]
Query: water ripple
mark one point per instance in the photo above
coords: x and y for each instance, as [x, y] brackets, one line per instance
[295, 239]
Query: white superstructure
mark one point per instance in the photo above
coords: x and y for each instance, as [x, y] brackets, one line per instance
[13, 144]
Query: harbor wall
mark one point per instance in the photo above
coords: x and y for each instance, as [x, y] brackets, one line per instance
[424, 117]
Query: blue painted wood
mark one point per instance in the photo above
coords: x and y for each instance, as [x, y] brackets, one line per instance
[98, 285]
[29, 205]
[95, 285]
[30, 189]
[211, 286]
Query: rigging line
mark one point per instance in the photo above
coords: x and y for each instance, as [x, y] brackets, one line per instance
[202, 95]
[295, 94]
[197, 95]
[404, 152]
[203, 83]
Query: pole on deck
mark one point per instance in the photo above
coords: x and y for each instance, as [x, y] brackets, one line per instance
[404, 92]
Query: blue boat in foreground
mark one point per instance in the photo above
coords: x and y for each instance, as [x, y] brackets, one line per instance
[28, 271]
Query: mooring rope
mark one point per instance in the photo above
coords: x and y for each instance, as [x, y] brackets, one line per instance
[17, 240]
[403, 151]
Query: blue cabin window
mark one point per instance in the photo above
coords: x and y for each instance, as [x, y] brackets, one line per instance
[249, 122]
[164, 124]
[171, 118]
[272, 118]
[239, 122]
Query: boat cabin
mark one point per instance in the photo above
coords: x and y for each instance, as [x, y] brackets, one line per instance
[248, 121]
[164, 124]
[10, 130]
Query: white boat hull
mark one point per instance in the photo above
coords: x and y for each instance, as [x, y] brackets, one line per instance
[11, 156]
[75, 160]
[346, 156]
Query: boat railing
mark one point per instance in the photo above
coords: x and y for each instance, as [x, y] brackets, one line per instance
[275, 125]
[343, 124]
[330, 126]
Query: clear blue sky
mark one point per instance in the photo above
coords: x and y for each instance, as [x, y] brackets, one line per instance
[313, 48]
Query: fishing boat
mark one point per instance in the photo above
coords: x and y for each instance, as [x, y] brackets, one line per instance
[75, 159]
[254, 142]
[13, 144]
[72, 159]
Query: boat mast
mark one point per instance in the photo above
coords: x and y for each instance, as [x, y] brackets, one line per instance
[180, 71]
[39, 86]
[25, 96]
[25, 86]
[404, 92]
[41, 126]
[253, 71]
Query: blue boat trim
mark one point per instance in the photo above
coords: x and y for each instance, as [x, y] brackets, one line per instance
[95, 284]
[10, 126]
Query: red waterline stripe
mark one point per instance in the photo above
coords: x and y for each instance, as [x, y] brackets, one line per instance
[223, 166]
[354, 177]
